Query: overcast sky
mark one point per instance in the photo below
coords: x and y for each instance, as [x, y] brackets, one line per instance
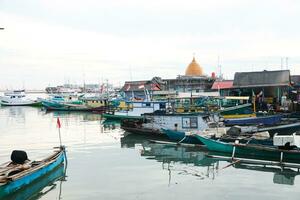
[51, 42]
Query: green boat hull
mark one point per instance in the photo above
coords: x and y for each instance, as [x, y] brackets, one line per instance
[237, 110]
[251, 151]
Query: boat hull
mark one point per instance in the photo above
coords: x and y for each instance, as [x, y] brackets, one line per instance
[60, 106]
[244, 109]
[181, 137]
[36, 187]
[120, 117]
[267, 120]
[31, 103]
[251, 151]
[19, 183]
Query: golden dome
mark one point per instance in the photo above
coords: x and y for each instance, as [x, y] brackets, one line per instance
[194, 69]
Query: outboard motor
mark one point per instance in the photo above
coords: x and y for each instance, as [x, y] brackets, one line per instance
[18, 156]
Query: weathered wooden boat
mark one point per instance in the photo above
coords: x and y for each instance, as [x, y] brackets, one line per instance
[38, 188]
[18, 98]
[252, 150]
[264, 120]
[21, 172]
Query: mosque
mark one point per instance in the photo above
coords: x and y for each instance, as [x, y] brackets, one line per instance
[193, 81]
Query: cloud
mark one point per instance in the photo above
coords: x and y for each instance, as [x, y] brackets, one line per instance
[51, 41]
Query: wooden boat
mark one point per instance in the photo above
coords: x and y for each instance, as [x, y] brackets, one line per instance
[265, 120]
[154, 122]
[18, 98]
[20, 172]
[39, 188]
[252, 150]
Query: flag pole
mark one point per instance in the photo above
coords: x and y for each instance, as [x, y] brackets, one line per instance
[59, 125]
[59, 137]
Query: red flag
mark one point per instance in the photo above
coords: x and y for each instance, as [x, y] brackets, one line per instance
[58, 123]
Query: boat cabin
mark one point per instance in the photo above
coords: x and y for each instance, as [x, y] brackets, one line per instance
[137, 108]
[180, 122]
[95, 102]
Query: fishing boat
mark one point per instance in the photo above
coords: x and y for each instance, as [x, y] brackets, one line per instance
[17, 98]
[135, 110]
[154, 122]
[263, 120]
[277, 153]
[21, 172]
[85, 104]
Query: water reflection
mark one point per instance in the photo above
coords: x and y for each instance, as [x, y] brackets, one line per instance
[42, 186]
[16, 113]
[188, 160]
[284, 176]
[182, 160]
[85, 116]
[111, 124]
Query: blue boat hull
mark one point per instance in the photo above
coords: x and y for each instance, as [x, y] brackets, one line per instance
[34, 189]
[267, 120]
[27, 179]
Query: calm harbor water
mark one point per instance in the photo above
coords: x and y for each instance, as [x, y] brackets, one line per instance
[106, 163]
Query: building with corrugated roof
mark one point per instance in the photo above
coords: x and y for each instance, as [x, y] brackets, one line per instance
[268, 87]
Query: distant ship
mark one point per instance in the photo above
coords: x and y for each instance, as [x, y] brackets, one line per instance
[17, 98]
